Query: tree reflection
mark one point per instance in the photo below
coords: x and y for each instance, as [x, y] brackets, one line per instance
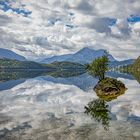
[98, 109]
[107, 90]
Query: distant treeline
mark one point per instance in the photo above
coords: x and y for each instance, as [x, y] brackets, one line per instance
[133, 69]
[14, 64]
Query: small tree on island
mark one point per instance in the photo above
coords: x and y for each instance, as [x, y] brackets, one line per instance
[99, 66]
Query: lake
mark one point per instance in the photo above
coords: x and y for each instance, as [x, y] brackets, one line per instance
[36, 106]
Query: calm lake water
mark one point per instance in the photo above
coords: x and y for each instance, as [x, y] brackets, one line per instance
[35, 106]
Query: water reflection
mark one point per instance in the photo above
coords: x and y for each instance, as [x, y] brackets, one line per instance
[14, 75]
[9, 79]
[53, 108]
[107, 90]
[99, 110]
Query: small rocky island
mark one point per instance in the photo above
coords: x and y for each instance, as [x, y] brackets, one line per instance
[109, 89]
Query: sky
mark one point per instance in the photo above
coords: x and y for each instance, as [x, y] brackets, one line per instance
[39, 29]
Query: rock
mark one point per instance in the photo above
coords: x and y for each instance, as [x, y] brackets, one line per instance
[109, 89]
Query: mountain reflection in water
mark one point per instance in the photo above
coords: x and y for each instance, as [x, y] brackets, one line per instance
[9, 79]
[47, 107]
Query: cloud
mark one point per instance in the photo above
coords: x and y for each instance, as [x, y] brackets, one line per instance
[41, 41]
[136, 28]
[56, 27]
[101, 25]
[5, 6]
[84, 6]
[4, 20]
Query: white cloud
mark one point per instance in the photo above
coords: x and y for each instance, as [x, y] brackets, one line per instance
[136, 28]
[44, 32]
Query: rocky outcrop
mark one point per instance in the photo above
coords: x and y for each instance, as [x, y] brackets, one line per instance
[109, 89]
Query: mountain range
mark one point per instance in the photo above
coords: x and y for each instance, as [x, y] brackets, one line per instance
[133, 69]
[81, 80]
[5, 53]
[83, 56]
[9, 64]
[116, 63]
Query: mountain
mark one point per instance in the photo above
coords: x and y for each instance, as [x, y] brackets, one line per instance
[56, 58]
[58, 66]
[15, 64]
[68, 61]
[133, 69]
[4, 53]
[87, 55]
[121, 63]
[84, 56]
[136, 64]
[66, 65]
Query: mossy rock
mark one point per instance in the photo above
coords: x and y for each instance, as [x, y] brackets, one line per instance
[109, 89]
